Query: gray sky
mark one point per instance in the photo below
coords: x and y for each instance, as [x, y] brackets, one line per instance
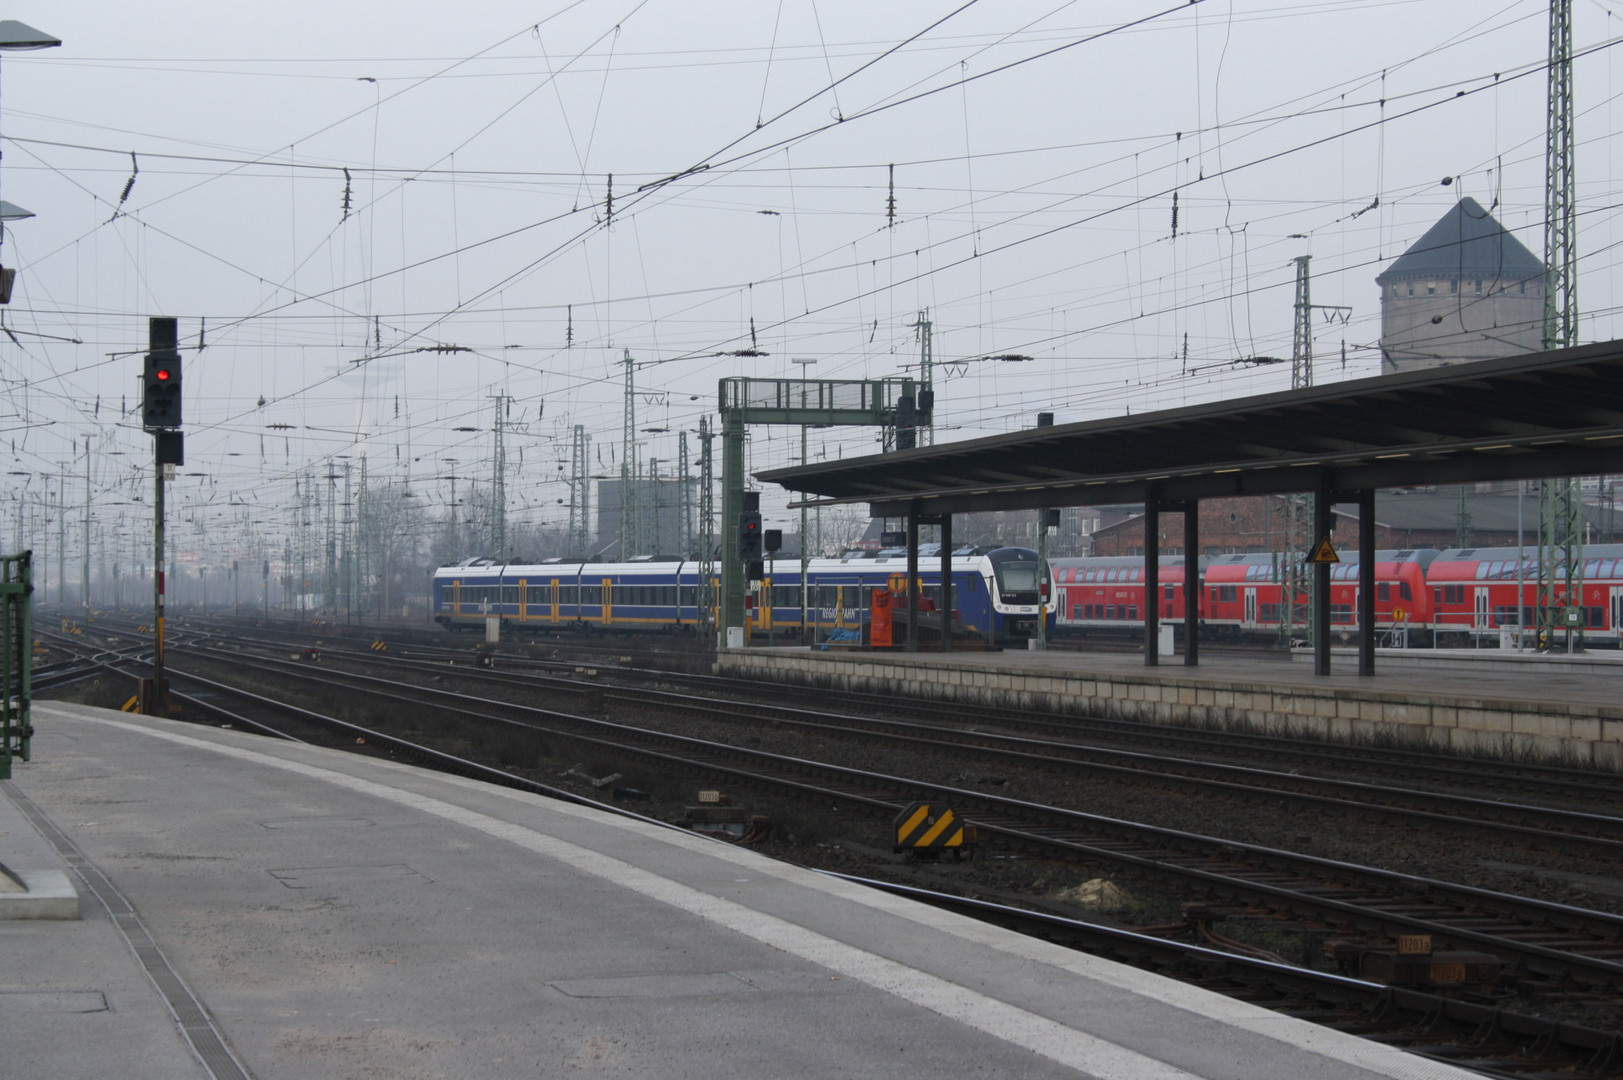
[1035, 146]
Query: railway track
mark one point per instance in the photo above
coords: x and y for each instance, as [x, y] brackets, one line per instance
[1478, 1034]
[1473, 1034]
[1583, 790]
[1540, 942]
[1578, 831]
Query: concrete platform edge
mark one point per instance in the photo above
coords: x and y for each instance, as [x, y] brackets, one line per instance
[1406, 709]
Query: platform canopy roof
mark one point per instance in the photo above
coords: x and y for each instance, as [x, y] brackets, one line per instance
[1548, 414]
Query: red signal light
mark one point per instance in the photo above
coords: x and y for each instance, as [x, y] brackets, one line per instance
[162, 374]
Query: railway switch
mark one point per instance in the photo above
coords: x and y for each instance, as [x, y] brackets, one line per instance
[1413, 963]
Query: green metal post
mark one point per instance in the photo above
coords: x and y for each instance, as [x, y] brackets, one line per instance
[732, 504]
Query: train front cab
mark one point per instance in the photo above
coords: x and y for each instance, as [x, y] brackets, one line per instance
[1021, 590]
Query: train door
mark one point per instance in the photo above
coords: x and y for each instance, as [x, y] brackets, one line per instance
[607, 601]
[1480, 607]
[552, 599]
[1617, 611]
[1251, 606]
[523, 599]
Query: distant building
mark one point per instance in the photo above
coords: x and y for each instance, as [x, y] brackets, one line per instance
[1403, 519]
[1466, 290]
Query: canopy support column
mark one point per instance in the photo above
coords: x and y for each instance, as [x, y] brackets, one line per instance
[1366, 581]
[1192, 585]
[1321, 580]
[913, 578]
[1152, 579]
[946, 582]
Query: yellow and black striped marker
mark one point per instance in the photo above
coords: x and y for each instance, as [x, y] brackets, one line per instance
[922, 827]
[379, 646]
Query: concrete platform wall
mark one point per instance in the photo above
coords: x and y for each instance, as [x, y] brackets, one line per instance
[1573, 734]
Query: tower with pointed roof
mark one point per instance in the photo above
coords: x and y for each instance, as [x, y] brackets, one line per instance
[1466, 290]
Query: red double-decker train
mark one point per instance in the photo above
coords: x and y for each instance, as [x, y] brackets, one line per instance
[1484, 591]
[1241, 595]
[1423, 596]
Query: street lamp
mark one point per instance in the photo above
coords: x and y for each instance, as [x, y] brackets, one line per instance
[17, 37]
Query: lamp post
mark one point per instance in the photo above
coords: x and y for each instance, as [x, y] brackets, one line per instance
[17, 37]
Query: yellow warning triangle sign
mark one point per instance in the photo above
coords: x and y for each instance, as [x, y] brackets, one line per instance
[1323, 553]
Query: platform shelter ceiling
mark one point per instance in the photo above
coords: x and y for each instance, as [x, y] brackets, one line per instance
[1557, 413]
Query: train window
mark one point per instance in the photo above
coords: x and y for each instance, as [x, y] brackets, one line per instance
[591, 594]
[1169, 592]
[1594, 617]
[1132, 612]
[1110, 611]
[1383, 591]
[1225, 594]
[1404, 593]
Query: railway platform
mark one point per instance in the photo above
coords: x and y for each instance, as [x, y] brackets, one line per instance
[1559, 707]
[251, 907]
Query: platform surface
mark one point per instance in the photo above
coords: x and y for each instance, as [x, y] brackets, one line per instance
[310, 914]
[1593, 678]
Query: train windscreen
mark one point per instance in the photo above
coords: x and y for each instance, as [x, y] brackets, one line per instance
[1019, 575]
[1017, 578]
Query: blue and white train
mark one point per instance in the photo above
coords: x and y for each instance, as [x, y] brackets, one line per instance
[997, 593]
